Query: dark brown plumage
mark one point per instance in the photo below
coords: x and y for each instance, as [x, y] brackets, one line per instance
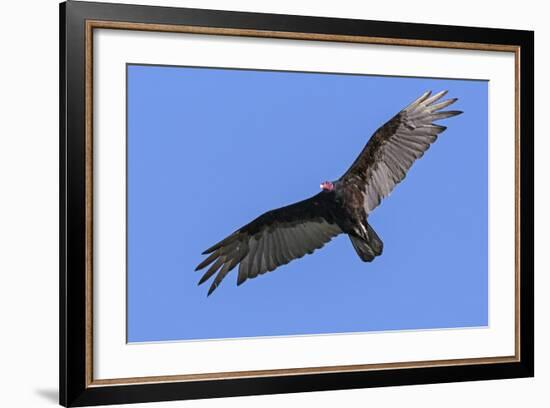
[279, 236]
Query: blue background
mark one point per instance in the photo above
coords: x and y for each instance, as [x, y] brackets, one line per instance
[211, 149]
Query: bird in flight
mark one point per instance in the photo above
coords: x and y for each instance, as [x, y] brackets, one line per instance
[342, 207]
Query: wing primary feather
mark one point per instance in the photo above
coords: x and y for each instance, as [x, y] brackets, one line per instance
[445, 114]
[228, 267]
[211, 271]
[208, 261]
[219, 277]
[434, 98]
[441, 105]
[418, 101]
[222, 243]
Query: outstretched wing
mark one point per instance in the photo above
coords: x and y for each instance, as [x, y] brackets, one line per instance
[395, 146]
[271, 240]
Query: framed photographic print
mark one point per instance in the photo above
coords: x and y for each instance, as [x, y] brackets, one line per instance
[256, 203]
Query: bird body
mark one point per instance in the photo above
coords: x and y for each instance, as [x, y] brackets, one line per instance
[279, 236]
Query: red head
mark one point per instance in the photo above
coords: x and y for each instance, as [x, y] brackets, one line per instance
[327, 186]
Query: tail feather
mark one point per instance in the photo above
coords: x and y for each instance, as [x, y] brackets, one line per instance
[368, 248]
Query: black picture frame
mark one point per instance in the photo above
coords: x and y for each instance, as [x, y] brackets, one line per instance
[75, 387]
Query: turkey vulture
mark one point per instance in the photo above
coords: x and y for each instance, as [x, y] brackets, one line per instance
[279, 236]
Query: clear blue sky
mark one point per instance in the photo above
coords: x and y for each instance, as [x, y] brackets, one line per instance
[211, 149]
